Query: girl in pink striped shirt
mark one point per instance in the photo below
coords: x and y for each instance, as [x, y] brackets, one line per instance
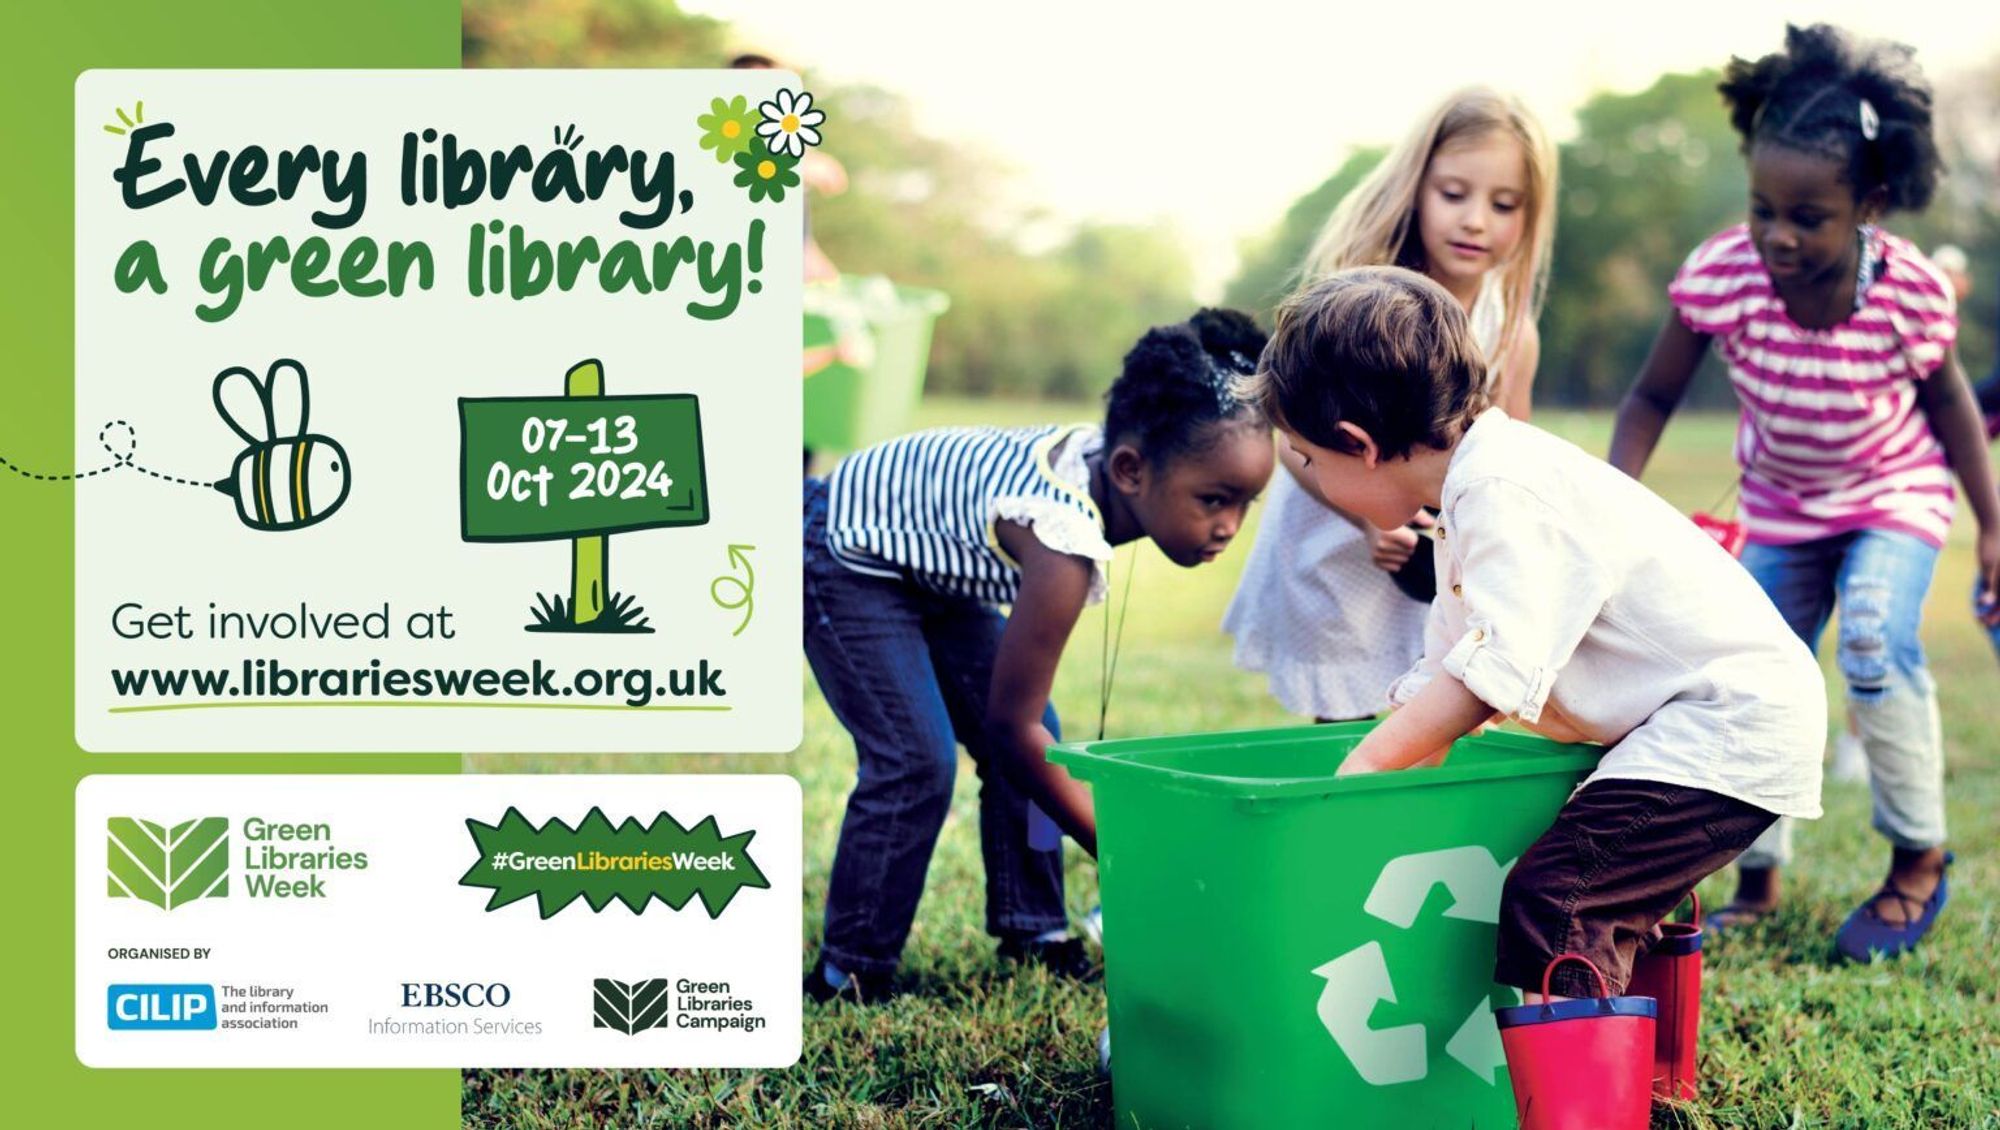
[1838, 338]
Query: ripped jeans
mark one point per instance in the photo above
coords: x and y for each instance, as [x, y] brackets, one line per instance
[1877, 579]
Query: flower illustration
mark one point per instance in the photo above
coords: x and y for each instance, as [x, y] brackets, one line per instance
[788, 123]
[767, 175]
[728, 129]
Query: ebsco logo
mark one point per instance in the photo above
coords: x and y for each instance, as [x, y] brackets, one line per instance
[160, 1008]
[431, 994]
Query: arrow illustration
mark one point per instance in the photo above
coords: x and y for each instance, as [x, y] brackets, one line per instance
[1382, 1056]
[1476, 1044]
[746, 587]
[1471, 874]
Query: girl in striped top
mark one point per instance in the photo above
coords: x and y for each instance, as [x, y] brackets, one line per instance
[911, 545]
[1838, 338]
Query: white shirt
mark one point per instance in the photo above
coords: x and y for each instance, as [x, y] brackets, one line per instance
[1578, 602]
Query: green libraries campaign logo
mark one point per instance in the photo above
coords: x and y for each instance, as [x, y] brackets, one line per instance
[167, 867]
[598, 862]
[630, 1007]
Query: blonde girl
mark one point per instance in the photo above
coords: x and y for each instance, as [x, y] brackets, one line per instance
[1468, 198]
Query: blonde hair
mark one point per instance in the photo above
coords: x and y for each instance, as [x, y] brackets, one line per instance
[1375, 224]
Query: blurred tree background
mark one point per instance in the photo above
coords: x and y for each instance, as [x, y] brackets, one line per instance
[1041, 309]
[1647, 177]
[1048, 320]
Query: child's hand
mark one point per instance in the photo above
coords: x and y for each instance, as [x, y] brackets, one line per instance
[1391, 549]
[1989, 576]
[1421, 732]
[1359, 762]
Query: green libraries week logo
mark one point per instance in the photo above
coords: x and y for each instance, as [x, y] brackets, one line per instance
[171, 866]
[167, 867]
[598, 862]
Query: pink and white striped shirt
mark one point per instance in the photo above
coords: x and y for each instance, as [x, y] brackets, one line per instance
[1832, 438]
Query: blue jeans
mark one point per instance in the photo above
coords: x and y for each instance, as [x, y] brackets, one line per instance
[907, 672]
[1877, 579]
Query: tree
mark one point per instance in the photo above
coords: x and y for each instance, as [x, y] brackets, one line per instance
[588, 33]
[1647, 178]
[1271, 266]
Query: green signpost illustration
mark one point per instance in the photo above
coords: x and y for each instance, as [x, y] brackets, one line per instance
[581, 467]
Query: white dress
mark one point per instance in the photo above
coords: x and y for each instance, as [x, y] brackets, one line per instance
[1313, 612]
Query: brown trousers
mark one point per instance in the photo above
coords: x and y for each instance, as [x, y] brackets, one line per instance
[1620, 857]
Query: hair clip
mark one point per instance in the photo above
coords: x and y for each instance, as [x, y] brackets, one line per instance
[1871, 123]
[1222, 381]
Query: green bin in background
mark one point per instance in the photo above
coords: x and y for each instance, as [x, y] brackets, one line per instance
[1284, 948]
[882, 332]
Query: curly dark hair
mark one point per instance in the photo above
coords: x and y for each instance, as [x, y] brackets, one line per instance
[1819, 95]
[1181, 379]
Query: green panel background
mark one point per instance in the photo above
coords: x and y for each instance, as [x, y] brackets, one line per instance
[43, 49]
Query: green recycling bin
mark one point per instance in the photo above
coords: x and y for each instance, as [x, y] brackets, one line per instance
[1284, 948]
[867, 344]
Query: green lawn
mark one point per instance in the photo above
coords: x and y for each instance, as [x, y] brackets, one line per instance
[1790, 1039]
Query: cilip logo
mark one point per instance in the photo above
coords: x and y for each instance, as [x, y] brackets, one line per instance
[167, 866]
[160, 1008]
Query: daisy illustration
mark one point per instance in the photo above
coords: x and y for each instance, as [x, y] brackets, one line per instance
[767, 175]
[788, 123]
[727, 129]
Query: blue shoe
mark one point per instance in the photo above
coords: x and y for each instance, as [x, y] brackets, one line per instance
[1865, 937]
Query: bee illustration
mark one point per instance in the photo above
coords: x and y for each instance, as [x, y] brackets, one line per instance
[287, 478]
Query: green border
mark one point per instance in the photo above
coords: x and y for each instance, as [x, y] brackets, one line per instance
[42, 51]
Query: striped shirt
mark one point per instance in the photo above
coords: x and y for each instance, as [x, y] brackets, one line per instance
[922, 508]
[1832, 438]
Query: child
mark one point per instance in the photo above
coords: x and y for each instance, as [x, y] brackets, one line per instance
[1468, 199]
[1571, 599]
[1838, 339]
[910, 545]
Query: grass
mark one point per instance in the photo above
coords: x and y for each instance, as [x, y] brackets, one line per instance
[555, 612]
[1790, 1038]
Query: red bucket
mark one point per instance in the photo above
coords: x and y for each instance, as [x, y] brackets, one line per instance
[1670, 972]
[1582, 1064]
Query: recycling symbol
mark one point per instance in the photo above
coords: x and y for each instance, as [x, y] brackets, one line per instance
[1359, 978]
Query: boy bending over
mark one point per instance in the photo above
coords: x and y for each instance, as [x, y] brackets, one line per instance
[1571, 599]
